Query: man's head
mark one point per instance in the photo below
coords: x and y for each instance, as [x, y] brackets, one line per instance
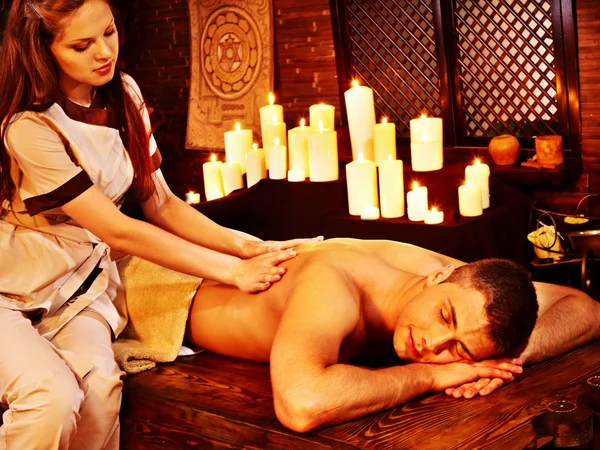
[483, 309]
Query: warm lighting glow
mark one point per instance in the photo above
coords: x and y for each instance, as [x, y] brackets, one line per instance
[213, 157]
[191, 193]
[321, 126]
[476, 160]
[296, 168]
[322, 106]
[274, 119]
[302, 123]
[390, 158]
[434, 209]
[467, 184]
[255, 146]
[415, 185]
[354, 83]
[277, 141]
[423, 116]
[361, 157]
[271, 98]
[384, 121]
[237, 126]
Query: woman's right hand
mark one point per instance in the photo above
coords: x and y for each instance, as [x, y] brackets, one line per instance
[259, 273]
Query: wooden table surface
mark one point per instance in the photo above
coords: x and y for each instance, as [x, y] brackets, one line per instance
[210, 401]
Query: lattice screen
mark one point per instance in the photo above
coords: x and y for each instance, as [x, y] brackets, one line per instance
[506, 65]
[393, 51]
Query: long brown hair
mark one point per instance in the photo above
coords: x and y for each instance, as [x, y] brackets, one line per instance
[29, 80]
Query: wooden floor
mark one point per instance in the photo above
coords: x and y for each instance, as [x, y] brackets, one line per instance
[210, 401]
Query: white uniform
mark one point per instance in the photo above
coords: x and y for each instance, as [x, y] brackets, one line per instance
[57, 370]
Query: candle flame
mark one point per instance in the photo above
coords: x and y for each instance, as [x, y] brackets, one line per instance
[415, 185]
[322, 106]
[321, 126]
[213, 157]
[355, 83]
[255, 146]
[390, 158]
[467, 184]
[423, 116]
[302, 122]
[191, 193]
[296, 168]
[274, 119]
[434, 209]
[271, 98]
[361, 157]
[384, 120]
[237, 126]
[476, 160]
[277, 141]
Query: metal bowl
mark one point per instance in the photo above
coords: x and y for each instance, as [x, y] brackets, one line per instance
[582, 241]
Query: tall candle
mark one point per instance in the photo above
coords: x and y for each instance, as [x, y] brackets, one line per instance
[323, 155]
[213, 179]
[426, 144]
[384, 141]
[277, 161]
[324, 113]
[391, 187]
[274, 130]
[237, 143]
[232, 176]
[469, 200]
[266, 117]
[298, 147]
[361, 180]
[416, 202]
[256, 169]
[479, 174]
[360, 108]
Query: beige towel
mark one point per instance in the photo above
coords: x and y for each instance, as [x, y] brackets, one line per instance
[158, 302]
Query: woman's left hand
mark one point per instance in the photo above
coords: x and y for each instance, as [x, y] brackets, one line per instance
[250, 249]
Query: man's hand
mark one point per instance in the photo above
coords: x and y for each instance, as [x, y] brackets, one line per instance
[483, 386]
[445, 376]
[250, 249]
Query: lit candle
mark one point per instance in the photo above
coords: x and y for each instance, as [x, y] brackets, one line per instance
[324, 113]
[434, 216]
[360, 108]
[256, 169]
[469, 200]
[369, 212]
[384, 141]
[276, 130]
[479, 174]
[237, 143]
[298, 147]
[426, 144]
[416, 202]
[266, 118]
[191, 198]
[323, 155]
[361, 180]
[232, 176]
[277, 161]
[391, 188]
[213, 179]
[296, 174]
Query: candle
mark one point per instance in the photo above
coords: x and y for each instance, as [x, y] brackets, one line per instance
[266, 117]
[479, 174]
[298, 147]
[361, 180]
[434, 216]
[277, 161]
[361, 120]
[191, 198]
[369, 212]
[469, 200]
[255, 165]
[426, 144]
[391, 188]
[416, 202]
[323, 155]
[237, 144]
[324, 113]
[296, 174]
[232, 176]
[213, 179]
[274, 130]
[384, 141]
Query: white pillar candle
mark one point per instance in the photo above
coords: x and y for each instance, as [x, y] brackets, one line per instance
[361, 180]
[324, 113]
[360, 109]
[277, 161]
[323, 155]
[296, 174]
[191, 198]
[232, 176]
[416, 203]
[479, 174]
[237, 143]
[469, 200]
[274, 130]
[434, 216]
[369, 212]
[384, 141]
[256, 169]
[298, 147]
[266, 117]
[391, 188]
[426, 144]
[213, 179]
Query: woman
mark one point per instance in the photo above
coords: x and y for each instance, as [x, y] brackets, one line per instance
[75, 139]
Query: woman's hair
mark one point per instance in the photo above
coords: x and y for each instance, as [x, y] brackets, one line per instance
[29, 80]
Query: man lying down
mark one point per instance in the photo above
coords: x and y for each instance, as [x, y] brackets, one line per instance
[459, 325]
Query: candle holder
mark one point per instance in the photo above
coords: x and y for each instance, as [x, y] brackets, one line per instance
[571, 425]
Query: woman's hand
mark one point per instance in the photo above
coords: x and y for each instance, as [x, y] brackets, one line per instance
[258, 273]
[250, 249]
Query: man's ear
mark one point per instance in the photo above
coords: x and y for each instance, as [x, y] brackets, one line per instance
[439, 275]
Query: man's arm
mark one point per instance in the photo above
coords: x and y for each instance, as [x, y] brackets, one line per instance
[312, 389]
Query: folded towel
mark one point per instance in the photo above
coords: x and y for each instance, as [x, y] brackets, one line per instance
[158, 302]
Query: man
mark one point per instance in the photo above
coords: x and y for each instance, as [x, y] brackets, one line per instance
[346, 298]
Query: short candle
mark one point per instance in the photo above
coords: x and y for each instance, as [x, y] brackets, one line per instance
[416, 202]
[369, 212]
[434, 216]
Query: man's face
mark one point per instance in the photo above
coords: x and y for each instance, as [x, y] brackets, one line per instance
[444, 323]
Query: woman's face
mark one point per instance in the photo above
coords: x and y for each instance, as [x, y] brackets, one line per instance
[86, 49]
